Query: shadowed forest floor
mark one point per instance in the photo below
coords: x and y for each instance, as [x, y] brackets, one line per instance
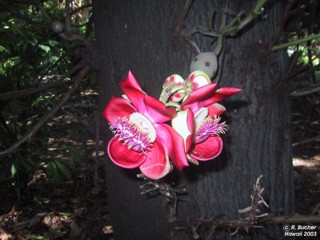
[78, 209]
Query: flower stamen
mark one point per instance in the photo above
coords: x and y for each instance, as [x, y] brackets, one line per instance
[209, 127]
[137, 132]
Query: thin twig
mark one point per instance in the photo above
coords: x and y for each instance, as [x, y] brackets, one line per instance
[296, 42]
[68, 16]
[236, 224]
[214, 223]
[290, 219]
[83, 72]
[184, 13]
[252, 221]
[245, 224]
[45, 14]
[282, 23]
[179, 28]
[7, 96]
[26, 92]
[306, 141]
[238, 23]
[65, 32]
[81, 8]
[305, 92]
[56, 63]
[8, 5]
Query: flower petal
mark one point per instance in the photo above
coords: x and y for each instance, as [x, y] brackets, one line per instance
[207, 150]
[220, 94]
[171, 85]
[215, 109]
[117, 107]
[199, 95]
[133, 91]
[157, 110]
[183, 123]
[174, 78]
[157, 163]
[130, 82]
[228, 91]
[173, 144]
[122, 156]
[198, 79]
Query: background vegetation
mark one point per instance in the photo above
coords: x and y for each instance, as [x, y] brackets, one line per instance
[48, 92]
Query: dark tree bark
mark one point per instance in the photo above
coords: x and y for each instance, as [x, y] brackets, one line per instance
[139, 36]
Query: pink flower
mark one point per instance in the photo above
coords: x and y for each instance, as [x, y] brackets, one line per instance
[198, 122]
[200, 129]
[141, 137]
[207, 142]
[205, 93]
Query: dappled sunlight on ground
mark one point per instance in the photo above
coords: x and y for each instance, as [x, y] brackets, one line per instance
[306, 152]
[314, 161]
[307, 183]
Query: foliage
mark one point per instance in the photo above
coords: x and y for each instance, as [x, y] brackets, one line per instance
[34, 61]
[298, 32]
[35, 65]
[303, 33]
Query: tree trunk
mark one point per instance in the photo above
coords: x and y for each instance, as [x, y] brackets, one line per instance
[139, 36]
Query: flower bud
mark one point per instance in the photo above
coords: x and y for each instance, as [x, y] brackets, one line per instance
[206, 62]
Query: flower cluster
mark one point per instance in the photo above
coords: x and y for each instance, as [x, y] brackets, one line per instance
[183, 126]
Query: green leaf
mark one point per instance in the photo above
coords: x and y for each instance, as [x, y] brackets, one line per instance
[63, 169]
[36, 237]
[27, 164]
[57, 170]
[13, 170]
[45, 48]
[37, 101]
[20, 32]
[52, 171]
[53, 43]
[75, 154]
[65, 214]
[3, 49]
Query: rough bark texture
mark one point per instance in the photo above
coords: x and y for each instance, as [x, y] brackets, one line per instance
[137, 36]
